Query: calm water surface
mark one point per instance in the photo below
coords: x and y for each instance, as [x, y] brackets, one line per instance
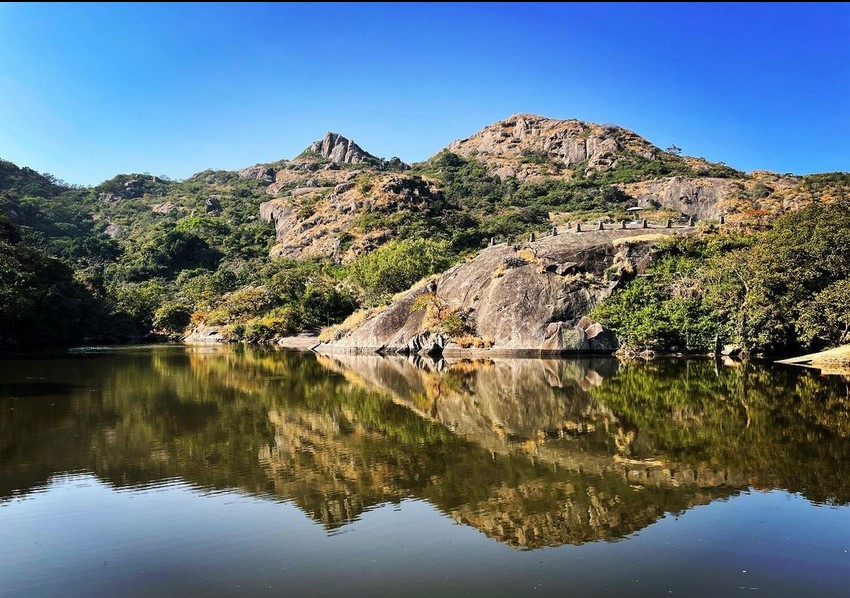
[165, 471]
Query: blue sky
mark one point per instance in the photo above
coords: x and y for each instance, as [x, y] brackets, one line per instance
[89, 91]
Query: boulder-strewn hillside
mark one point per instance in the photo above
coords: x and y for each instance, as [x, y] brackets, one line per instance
[528, 147]
[336, 200]
[511, 177]
[343, 220]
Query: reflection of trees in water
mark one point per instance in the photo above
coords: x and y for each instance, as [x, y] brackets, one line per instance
[780, 427]
[532, 452]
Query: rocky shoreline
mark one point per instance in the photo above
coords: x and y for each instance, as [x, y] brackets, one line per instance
[509, 300]
[529, 299]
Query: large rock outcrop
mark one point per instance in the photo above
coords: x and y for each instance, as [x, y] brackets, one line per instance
[528, 299]
[701, 198]
[320, 214]
[259, 172]
[336, 148]
[527, 145]
[760, 193]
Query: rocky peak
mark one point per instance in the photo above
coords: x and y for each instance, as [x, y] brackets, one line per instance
[339, 149]
[527, 145]
[313, 211]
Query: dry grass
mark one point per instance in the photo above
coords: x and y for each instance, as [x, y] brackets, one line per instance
[337, 331]
[417, 285]
[527, 255]
[648, 238]
[468, 341]
[440, 316]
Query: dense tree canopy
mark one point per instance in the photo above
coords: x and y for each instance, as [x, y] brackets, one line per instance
[783, 290]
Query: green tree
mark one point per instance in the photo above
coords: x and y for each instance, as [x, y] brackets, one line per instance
[138, 301]
[398, 264]
[172, 317]
[825, 320]
[787, 270]
[167, 254]
[41, 302]
[784, 290]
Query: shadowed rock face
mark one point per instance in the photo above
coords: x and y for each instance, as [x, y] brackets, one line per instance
[522, 299]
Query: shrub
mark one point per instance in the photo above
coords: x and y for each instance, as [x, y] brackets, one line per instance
[279, 322]
[324, 303]
[172, 317]
[442, 317]
[241, 304]
[534, 157]
[397, 265]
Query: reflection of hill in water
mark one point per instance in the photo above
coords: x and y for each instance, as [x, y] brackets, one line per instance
[543, 409]
[531, 452]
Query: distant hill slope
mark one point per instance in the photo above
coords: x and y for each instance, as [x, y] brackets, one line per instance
[16, 183]
[335, 199]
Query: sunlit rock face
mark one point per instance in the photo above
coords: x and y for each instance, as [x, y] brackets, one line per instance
[338, 149]
[526, 299]
[529, 146]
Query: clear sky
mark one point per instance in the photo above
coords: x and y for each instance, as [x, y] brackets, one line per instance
[89, 91]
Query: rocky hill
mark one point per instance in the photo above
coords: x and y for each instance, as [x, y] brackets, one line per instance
[528, 147]
[336, 200]
[524, 146]
[337, 149]
[145, 252]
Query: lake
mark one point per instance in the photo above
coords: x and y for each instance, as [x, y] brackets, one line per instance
[219, 471]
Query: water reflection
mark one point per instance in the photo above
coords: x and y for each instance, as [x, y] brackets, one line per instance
[531, 452]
